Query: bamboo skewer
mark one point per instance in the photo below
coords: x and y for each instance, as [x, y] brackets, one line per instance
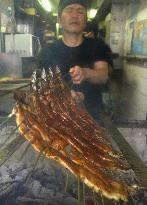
[66, 181]
[79, 192]
[83, 194]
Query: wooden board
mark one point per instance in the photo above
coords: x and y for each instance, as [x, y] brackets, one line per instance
[6, 80]
[12, 86]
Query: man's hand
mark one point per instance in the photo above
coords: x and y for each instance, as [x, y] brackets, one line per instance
[97, 75]
[77, 74]
[77, 96]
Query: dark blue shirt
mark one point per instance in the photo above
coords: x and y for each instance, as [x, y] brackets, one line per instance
[84, 55]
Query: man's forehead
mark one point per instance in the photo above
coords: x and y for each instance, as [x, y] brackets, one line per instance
[75, 6]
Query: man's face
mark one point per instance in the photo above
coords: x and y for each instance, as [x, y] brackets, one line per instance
[73, 18]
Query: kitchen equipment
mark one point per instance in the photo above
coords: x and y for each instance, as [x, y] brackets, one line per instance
[26, 45]
[10, 65]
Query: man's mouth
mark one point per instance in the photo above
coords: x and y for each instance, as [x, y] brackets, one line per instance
[74, 23]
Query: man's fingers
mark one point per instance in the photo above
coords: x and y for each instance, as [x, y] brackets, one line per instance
[77, 96]
[73, 93]
[77, 78]
[76, 82]
[76, 74]
[71, 71]
[74, 71]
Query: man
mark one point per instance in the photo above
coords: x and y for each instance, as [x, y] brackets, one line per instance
[83, 61]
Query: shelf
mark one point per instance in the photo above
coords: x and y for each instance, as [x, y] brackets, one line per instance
[139, 60]
[136, 57]
[115, 55]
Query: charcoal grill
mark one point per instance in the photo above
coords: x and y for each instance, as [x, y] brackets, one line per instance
[13, 143]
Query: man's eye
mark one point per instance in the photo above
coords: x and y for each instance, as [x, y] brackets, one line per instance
[81, 12]
[68, 10]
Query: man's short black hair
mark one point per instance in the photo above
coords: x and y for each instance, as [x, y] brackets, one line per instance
[64, 3]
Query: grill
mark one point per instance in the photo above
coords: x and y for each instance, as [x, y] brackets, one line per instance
[29, 178]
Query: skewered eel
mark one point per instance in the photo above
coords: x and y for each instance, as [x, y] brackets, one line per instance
[60, 129]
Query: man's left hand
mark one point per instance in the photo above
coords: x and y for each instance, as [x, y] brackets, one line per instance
[77, 96]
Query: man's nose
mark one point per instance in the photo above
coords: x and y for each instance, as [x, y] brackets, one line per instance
[74, 14]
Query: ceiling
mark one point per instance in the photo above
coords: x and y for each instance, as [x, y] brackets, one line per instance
[102, 7]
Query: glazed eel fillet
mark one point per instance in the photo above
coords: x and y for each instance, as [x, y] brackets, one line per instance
[61, 130]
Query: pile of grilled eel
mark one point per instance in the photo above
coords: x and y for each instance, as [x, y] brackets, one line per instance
[61, 130]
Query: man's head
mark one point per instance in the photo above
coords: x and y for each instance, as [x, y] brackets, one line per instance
[64, 3]
[73, 15]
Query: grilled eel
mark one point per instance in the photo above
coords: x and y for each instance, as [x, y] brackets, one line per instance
[95, 179]
[47, 117]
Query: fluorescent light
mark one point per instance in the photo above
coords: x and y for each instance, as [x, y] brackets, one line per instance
[92, 13]
[45, 4]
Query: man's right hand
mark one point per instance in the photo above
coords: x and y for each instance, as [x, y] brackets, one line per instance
[77, 74]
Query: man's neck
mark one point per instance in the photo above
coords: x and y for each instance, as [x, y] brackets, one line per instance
[72, 40]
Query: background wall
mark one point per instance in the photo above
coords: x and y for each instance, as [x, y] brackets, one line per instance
[136, 70]
[129, 93]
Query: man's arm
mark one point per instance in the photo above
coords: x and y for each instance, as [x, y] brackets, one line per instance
[98, 75]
